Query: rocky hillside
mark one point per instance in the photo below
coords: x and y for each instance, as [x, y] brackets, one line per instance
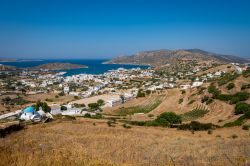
[7, 68]
[162, 57]
[58, 66]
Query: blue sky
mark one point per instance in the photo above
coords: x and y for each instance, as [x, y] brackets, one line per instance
[108, 28]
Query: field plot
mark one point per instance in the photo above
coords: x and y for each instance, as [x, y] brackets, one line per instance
[144, 108]
[196, 113]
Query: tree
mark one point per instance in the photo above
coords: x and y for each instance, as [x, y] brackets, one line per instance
[100, 102]
[63, 108]
[93, 106]
[140, 93]
[241, 108]
[230, 86]
[44, 106]
[168, 118]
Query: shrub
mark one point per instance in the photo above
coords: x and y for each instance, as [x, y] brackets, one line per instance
[241, 108]
[140, 93]
[138, 123]
[169, 118]
[209, 131]
[93, 106]
[245, 86]
[226, 78]
[234, 136]
[44, 106]
[210, 100]
[148, 92]
[246, 115]
[76, 97]
[234, 123]
[230, 86]
[213, 90]
[191, 102]
[204, 99]
[87, 115]
[180, 101]
[245, 127]
[111, 123]
[61, 94]
[224, 97]
[150, 115]
[246, 73]
[97, 116]
[63, 108]
[126, 126]
[242, 96]
[100, 102]
[49, 100]
[196, 126]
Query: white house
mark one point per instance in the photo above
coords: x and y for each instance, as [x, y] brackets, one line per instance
[183, 87]
[30, 114]
[66, 89]
[114, 102]
[196, 84]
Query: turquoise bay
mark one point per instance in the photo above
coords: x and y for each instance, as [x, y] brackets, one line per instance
[95, 66]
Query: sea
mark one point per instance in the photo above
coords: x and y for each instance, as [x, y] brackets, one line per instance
[95, 66]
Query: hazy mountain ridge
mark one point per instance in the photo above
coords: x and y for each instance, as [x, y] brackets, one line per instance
[162, 57]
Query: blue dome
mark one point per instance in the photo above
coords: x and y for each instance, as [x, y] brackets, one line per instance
[29, 110]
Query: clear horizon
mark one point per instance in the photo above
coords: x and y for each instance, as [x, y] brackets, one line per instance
[103, 30]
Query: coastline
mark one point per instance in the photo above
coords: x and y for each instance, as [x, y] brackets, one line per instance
[137, 64]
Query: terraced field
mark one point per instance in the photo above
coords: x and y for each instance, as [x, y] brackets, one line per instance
[144, 108]
[196, 113]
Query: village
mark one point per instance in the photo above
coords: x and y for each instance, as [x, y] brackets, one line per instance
[89, 94]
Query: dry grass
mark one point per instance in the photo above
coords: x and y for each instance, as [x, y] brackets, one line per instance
[82, 143]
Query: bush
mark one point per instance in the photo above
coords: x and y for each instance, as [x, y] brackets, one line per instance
[168, 118]
[242, 96]
[241, 108]
[180, 101]
[61, 94]
[63, 108]
[196, 126]
[100, 102]
[224, 97]
[209, 101]
[150, 115]
[204, 99]
[213, 90]
[209, 131]
[234, 136]
[230, 86]
[140, 93]
[246, 73]
[226, 78]
[234, 123]
[245, 127]
[126, 126]
[246, 115]
[148, 92]
[93, 106]
[245, 86]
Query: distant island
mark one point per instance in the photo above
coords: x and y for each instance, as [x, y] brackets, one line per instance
[18, 60]
[164, 56]
[58, 66]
